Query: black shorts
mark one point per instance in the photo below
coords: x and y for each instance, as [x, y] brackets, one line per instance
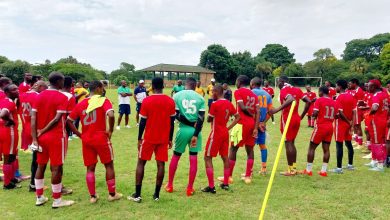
[124, 109]
[138, 107]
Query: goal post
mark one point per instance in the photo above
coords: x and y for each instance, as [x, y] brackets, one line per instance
[317, 84]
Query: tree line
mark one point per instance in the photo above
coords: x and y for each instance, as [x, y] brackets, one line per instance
[362, 59]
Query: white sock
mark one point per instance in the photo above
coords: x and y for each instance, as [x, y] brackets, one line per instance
[309, 167]
[324, 167]
[380, 165]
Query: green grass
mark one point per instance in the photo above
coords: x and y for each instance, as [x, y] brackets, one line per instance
[354, 195]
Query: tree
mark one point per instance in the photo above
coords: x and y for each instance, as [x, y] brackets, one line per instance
[385, 58]
[117, 81]
[127, 70]
[323, 54]
[216, 57]
[15, 70]
[242, 64]
[365, 48]
[295, 70]
[277, 54]
[265, 69]
[359, 65]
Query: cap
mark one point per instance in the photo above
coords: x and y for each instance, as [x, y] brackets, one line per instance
[213, 80]
[141, 81]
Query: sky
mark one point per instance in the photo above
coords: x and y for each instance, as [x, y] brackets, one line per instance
[105, 33]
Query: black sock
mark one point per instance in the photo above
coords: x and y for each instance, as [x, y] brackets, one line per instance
[138, 190]
[350, 152]
[157, 191]
[339, 153]
[112, 194]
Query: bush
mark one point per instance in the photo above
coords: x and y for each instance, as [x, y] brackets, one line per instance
[118, 79]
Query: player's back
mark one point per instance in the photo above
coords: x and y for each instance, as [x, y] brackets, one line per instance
[381, 99]
[189, 103]
[269, 90]
[265, 100]
[326, 108]
[346, 103]
[250, 101]
[48, 103]
[221, 110]
[26, 101]
[296, 93]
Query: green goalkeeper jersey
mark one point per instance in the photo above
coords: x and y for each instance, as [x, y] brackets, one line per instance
[189, 103]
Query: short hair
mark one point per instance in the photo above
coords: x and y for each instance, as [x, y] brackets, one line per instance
[342, 83]
[68, 81]
[54, 77]
[8, 87]
[218, 88]
[157, 83]
[244, 80]
[4, 80]
[324, 90]
[284, 78]
[94, 85]
[256, 81]
[354, 81]
[191, 81]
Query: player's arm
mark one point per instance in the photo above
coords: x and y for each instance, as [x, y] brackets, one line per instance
[5, 116]
[244, 108]
[307, 102]
[172, 129]
[34, 133]
[315, 114]
[344, 118]
[257, 119]
[142, 125]
[235, 121]
[172, 92]
[51, 124]
[181, 118]
[374, 108]
[111, 122]
[198, 128]
[70, 123]
[288, 101]
[210, 118]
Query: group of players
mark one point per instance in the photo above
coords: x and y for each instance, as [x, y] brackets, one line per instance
[48, 112]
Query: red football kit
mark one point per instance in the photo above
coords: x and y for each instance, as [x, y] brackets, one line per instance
[269, 90]
[251, 101]
[295, 122]
[26, 100]
[157, 109]
[9, 135]
[345, 103]
[358, 95]
[218, 141]
[94, 136]
[366, 113]
[323, 131]
[332, 92]
[47, 104]
[24, 87]
[311, 96]
[2, 95]
[379, 122]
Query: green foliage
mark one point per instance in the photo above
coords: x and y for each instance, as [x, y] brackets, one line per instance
[359, 65]
[295, 70]
[277, 54]
[118, 79]
[323, 54]
[15, 69]
[242, 64]
[365, 48]
[127, 71]
[264, 69]
[216, 57]
[385, 58]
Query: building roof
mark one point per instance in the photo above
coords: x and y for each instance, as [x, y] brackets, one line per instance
[177, 68]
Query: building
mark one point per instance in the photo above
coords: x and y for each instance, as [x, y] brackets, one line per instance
[172, 72]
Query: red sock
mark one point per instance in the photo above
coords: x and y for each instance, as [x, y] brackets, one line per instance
[226, 173]
[210, 177]
[39, 184]
[56, 189]
[249, 167]
[90, 178]
[8, 173]
[312, 122]
[111, 185]
[193, 171]
[383, 154]
[232, 163]
[172, 169]
[360, 140]
[374, 151]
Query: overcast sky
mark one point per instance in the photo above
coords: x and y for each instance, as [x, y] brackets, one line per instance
[147, 32]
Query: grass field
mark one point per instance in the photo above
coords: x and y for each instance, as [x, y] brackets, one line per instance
[360, 194]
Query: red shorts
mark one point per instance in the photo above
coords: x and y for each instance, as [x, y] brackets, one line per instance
[322, 133]
[342, 131]
[9, 140]
[97, 145]
[160, 151]
[378, 131]
[310, 111]
[53, 149]
[26, 136]
[247, 136]
[217, 144]
[359, 116]
[293, 129]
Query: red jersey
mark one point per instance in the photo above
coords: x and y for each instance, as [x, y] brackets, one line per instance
[358, 94]
[250, 100]
[332, 92]
[158, 110]
[381, 99]
[346, 103]
[10, 106]
[269, 90]
[221, 110]
[2, 95]
[93, 122]
[326, 108]
[71, 102]
[47, 104]
[310, 95]
[296, 93]
[24, 87]
[26, 100]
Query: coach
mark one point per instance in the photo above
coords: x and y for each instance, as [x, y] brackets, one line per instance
[124, 94]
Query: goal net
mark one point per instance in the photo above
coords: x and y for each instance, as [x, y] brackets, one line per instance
[303, 81]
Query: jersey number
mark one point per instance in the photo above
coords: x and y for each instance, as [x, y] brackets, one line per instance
[189, 105]
[329, 112]
[263, 101]
[90, 118]
[250, 102]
